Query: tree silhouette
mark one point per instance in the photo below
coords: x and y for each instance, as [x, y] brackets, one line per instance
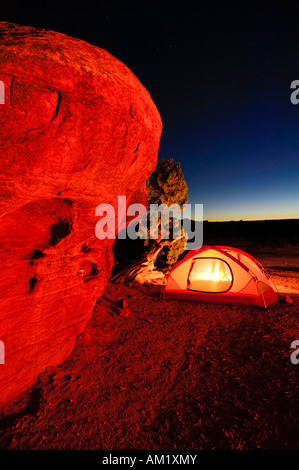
[167, 189]
[167, 186]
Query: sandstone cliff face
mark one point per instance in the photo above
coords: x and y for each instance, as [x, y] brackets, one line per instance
[77, 130]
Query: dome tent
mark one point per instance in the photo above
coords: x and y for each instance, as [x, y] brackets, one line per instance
[219, 274]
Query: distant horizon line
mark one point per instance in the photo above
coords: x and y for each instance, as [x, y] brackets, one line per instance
[247, 220]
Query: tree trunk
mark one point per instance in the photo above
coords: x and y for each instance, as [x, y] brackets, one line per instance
[145, 266]
[156, 249]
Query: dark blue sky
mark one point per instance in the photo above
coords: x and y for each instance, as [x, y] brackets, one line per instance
[220, 74]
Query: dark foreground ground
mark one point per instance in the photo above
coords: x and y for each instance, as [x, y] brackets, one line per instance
[171, 375]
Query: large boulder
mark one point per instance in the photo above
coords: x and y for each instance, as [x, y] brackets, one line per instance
[77, 129]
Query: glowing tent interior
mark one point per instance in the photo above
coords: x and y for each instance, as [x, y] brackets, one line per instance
[220, 274]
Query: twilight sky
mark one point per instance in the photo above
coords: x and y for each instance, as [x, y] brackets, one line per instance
[219, 73]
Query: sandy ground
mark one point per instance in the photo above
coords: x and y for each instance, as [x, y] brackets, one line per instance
[170, 375]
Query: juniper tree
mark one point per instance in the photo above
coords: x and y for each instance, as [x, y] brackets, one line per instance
[166, 186]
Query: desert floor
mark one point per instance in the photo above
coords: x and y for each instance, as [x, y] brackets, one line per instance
[171, 375]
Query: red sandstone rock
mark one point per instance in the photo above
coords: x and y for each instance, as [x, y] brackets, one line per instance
[77, 130]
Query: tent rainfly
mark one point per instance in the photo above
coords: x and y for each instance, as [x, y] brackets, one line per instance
[219, 274]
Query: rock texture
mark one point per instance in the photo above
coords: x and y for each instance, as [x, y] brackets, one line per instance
[77, 130]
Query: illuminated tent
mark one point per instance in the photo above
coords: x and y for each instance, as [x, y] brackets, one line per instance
[219, 274]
